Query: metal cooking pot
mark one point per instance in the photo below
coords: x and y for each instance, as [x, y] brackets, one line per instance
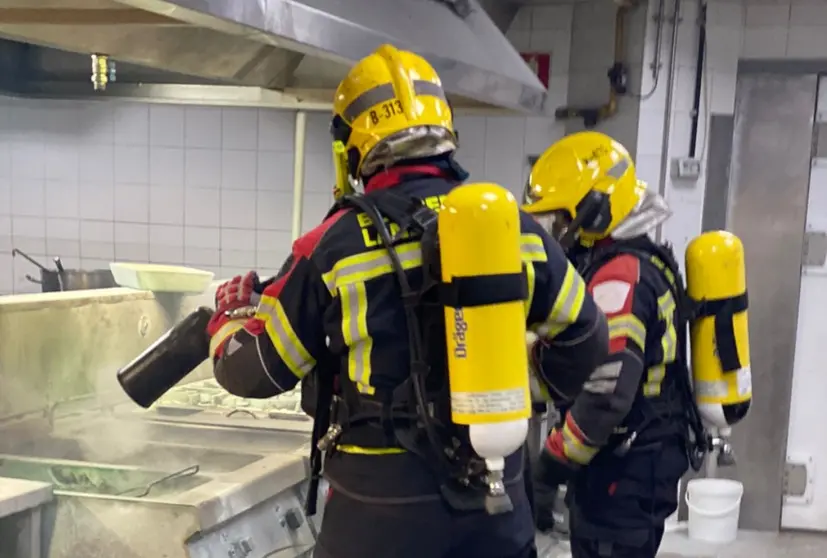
[60, 279]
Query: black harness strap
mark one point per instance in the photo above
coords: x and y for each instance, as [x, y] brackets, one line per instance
[412, 217]
[482, 290]
[686, 311]
[459, 292]
[417, 222]
[323, 386]
[723, 310]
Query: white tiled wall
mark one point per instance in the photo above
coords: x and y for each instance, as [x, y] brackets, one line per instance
[684, 197]
[212, 187]
[736, 29]
[496, 148]
[99, 181]
[547, 28]
[209, 187]
[593, 53]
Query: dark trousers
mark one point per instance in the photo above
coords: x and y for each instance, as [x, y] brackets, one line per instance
[355, 529]
[589, 548]
[618, 505]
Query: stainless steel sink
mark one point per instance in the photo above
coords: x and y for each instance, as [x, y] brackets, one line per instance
[259, 440]
[47, 447]
[136, 453]
[170, 457]
[102, 479]
[229, 436]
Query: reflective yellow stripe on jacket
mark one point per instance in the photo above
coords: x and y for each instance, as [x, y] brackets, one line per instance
[369, 265]
[654, 379]
[531, 250]
[567, 305]
[669, 345]
[359, 450]
[347, 280]
[630, 327]
[224, 333]
[284, 338]
[355, 334]
[574, 448]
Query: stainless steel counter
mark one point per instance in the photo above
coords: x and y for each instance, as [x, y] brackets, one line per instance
[201, 490]
[201, 475]
[21, 517]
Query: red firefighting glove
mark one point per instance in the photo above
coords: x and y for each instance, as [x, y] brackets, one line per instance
[236, 293]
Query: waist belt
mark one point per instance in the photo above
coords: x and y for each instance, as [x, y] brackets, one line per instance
[374, 426]
[371, 435]
[368, 412]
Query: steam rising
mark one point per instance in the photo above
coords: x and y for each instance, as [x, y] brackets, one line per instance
[58, 389]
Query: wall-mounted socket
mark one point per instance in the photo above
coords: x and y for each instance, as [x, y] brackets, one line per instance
[686, 168]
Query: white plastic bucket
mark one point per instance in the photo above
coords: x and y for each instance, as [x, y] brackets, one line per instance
[714, 508]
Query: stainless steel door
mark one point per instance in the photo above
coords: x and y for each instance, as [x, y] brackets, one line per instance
[805, 499]
[769, 182]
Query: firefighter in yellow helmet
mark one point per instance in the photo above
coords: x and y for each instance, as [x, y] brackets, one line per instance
[355, 316]
[621, 444]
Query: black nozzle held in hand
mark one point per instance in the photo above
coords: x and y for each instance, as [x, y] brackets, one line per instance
[167, 361]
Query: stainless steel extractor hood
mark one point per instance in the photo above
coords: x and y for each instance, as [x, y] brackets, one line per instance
[299, 47]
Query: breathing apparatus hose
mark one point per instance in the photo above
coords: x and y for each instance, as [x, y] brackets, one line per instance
[698, 449]
[418, 365]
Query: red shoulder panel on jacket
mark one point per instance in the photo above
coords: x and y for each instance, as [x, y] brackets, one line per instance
[613, 290]
[303, 248]
[624, 267]
[306, 243]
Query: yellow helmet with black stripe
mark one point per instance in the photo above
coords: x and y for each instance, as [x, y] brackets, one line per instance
[584, 185]
[391, 107]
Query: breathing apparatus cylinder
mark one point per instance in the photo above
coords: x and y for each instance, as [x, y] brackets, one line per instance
[479, 239]
[716, 282]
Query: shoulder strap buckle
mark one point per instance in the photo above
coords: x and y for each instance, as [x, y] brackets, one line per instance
[407, 212]
[423, 217]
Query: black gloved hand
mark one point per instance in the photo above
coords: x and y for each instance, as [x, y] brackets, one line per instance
[550, 472]
[545, 501]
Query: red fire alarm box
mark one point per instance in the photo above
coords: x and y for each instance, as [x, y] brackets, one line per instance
[540, 62]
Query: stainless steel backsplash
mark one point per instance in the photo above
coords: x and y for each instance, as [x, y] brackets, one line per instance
[59, 346]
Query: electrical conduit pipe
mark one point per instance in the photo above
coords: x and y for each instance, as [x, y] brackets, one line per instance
[299, 141]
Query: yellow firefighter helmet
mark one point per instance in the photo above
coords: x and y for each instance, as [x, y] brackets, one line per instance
[391, 107]
[588, 180]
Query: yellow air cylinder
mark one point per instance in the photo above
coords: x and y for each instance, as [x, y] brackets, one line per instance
[716, 280]
[479, 237]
